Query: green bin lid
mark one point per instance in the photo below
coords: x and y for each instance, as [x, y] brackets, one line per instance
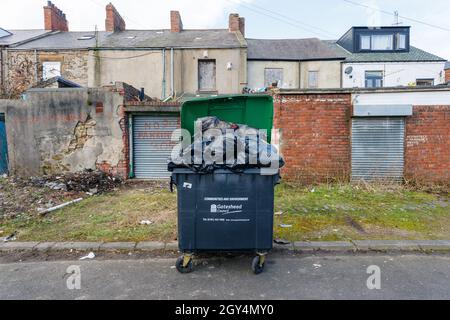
[255, 111]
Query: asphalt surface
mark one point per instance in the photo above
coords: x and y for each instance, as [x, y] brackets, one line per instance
[287, 276]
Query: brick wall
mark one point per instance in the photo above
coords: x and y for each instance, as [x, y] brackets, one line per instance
[176, 24]
[21, 70]
[427, 155]
[114, 21]
[447, 75]
[315, 136]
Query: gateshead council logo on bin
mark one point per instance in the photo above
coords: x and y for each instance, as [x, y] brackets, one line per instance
[226, 209]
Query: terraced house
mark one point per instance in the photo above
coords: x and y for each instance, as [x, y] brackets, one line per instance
[166, 63]
[384, 57]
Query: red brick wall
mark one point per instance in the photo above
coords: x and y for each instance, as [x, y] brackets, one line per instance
[427, 154]
[315, 136]
[447, 75]
[176, 25]
[114, 21]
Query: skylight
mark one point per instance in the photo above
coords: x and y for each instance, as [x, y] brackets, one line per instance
[4, 33]
[86, 37]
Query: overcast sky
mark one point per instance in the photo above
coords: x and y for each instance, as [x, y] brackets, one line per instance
[326, 19]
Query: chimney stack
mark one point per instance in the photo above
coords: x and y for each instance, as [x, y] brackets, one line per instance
[176, 25]
[55, 19]
[114, 21]
[236, 23]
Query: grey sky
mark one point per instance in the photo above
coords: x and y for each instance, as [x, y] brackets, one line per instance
[325, 19]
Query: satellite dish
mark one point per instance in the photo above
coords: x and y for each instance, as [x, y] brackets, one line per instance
[348, 70]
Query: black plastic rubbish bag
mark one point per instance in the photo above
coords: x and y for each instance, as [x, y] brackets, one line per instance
[229, 146]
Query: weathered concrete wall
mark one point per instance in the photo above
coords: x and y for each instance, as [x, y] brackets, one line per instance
[329, 73]
[144, 69]
[227, 81]
[66, 130]
[295, 74]
[24, 67]
[141, 69]
[291, 73]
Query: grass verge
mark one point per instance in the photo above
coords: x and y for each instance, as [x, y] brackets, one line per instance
[323, 213]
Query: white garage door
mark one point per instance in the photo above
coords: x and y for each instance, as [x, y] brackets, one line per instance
[152, 145]
[378, 148]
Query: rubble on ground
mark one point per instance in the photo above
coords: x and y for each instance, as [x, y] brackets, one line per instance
[88, 181]
[33, 195]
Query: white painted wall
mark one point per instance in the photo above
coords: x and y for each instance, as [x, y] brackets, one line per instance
[422, 98]
[395, 74]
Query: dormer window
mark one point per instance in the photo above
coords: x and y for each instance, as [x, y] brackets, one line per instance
[377, 42]
[376, 39]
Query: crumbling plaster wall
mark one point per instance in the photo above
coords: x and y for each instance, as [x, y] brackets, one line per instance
[66, 130]
[24, 67]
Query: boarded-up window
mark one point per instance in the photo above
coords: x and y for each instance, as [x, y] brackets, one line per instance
[207, 75]
[273, 76]
[313, 79]
[51, 69]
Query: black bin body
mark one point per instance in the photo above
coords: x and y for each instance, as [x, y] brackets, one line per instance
[225, 211]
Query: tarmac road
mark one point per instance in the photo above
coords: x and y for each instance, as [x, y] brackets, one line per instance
[287, 276]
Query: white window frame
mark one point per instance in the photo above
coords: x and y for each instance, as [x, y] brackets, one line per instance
[51, 69]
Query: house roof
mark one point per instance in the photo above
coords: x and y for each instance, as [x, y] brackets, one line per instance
[18, 36]
[414, 55]
[212, 38]
[293, 49]
[220, 38]
[62, 83]
[65, 40]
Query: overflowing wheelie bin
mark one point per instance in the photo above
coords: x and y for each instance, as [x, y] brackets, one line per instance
[226, 206]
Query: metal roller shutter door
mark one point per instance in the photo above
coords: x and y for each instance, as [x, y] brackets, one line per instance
[152, 145]
[378, 148]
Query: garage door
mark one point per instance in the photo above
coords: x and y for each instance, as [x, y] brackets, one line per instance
[152, 145]
[378, 148]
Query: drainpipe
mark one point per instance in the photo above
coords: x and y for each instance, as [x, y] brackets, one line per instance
[35, 67]
[2, 89]
[172, 91]
[164, 74]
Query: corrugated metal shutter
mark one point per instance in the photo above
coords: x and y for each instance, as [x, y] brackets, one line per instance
[378, 148]
[152, 145]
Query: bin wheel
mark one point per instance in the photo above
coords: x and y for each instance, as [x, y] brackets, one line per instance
[258, 264]
[182, 267]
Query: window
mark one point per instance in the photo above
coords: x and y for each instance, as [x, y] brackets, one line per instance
[382, 42]
[207, 75]
[313, 79]
[401, 41]
[366, 42]
[374, 79]
[51, 69]
[273, 76]
[425, 82]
